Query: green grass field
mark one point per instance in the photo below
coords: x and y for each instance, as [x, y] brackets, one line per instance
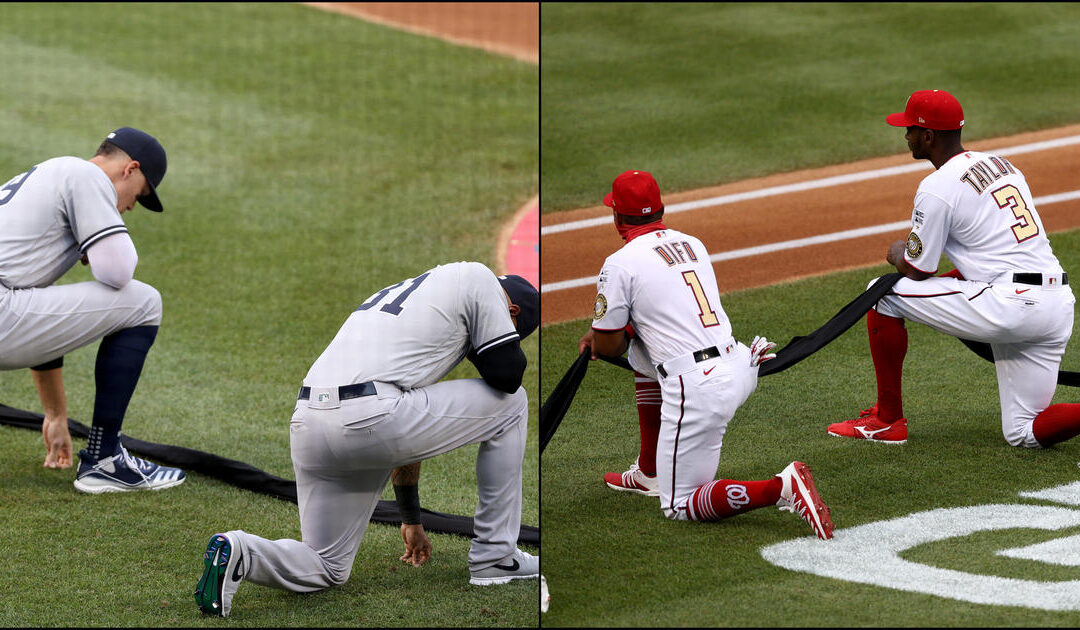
[313, 159]
[703, 93]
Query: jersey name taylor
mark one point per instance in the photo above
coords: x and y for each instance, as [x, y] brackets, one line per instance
[977, 210]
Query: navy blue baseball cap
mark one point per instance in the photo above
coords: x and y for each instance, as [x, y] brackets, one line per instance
[527, 298]
[147, 151]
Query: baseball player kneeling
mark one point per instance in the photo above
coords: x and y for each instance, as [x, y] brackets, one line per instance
[58, 212]
[1008, 288]
[662, 283]
[372, 408]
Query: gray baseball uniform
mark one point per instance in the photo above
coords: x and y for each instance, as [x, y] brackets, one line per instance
[345, 441]
[49, 217]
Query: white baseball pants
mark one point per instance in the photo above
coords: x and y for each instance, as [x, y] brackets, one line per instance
[344, 451]
[1027, 326]
[697, 406]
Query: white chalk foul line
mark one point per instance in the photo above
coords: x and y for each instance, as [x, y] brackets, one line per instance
[825, 182]
[803, 242]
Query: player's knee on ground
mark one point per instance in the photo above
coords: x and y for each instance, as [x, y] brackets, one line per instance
[1020, 434]
[337, 573]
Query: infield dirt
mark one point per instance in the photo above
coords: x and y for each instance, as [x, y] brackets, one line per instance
[580, 253]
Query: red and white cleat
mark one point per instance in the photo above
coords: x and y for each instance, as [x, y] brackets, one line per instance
[869, 427]
[633, 480]
[800, 496]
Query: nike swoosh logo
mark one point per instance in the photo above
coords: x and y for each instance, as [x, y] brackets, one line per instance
[238, 572]
[709, 370]
[1019, 291]
[513, 567]
[867, 433]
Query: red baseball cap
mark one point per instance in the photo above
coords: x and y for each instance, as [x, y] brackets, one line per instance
[930, 109]
[634, 193]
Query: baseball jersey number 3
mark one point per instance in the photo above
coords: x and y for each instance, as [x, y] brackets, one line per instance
[708, 316]
[394, 307]
[1009, 197]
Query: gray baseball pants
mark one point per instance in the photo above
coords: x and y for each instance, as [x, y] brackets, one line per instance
[344, 451]
[39, 325]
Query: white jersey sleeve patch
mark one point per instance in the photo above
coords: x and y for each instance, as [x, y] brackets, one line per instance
[611, 311]
[929, 232]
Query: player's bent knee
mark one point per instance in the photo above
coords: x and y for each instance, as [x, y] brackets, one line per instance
[148, 300]
[1022, 438]
[337, 574]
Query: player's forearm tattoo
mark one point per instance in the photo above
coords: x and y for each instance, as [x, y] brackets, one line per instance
[406, 475]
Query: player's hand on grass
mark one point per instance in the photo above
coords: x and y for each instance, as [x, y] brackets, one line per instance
[760, 351]
[54, 431]
[417, 545]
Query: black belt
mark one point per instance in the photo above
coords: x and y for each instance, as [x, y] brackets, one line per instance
[345, 392]
[699, 356]
[1036, 278]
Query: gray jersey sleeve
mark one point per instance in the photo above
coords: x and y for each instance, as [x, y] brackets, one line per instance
[487, 313]
[89, 200]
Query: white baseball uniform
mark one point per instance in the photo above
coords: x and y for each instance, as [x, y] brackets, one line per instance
[49, 217]
[977, 210]
[663, 283]
[397, 346]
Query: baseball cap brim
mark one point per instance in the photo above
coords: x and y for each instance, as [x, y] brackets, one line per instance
[151, 201]
[899, 119]
[609, 200]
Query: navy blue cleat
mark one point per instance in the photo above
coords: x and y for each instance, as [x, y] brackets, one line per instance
[123, 473]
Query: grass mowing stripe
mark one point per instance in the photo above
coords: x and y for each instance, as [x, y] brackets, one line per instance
[724, 92]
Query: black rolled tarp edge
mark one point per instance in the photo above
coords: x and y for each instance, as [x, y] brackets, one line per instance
[248, 477]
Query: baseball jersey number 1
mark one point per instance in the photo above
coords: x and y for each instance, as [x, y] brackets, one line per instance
[708, 316]
[394, 307]
[1009, 197]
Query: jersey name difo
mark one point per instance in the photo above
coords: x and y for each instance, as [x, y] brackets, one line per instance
[663, 283]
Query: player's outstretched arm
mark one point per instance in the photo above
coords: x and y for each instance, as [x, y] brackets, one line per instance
[406, 480]
[54, 428]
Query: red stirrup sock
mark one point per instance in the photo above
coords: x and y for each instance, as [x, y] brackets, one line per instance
[647, 393]
[888, 347]
[726, 497]
[1057, 423]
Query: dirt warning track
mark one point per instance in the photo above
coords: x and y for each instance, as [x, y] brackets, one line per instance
[784, 227]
